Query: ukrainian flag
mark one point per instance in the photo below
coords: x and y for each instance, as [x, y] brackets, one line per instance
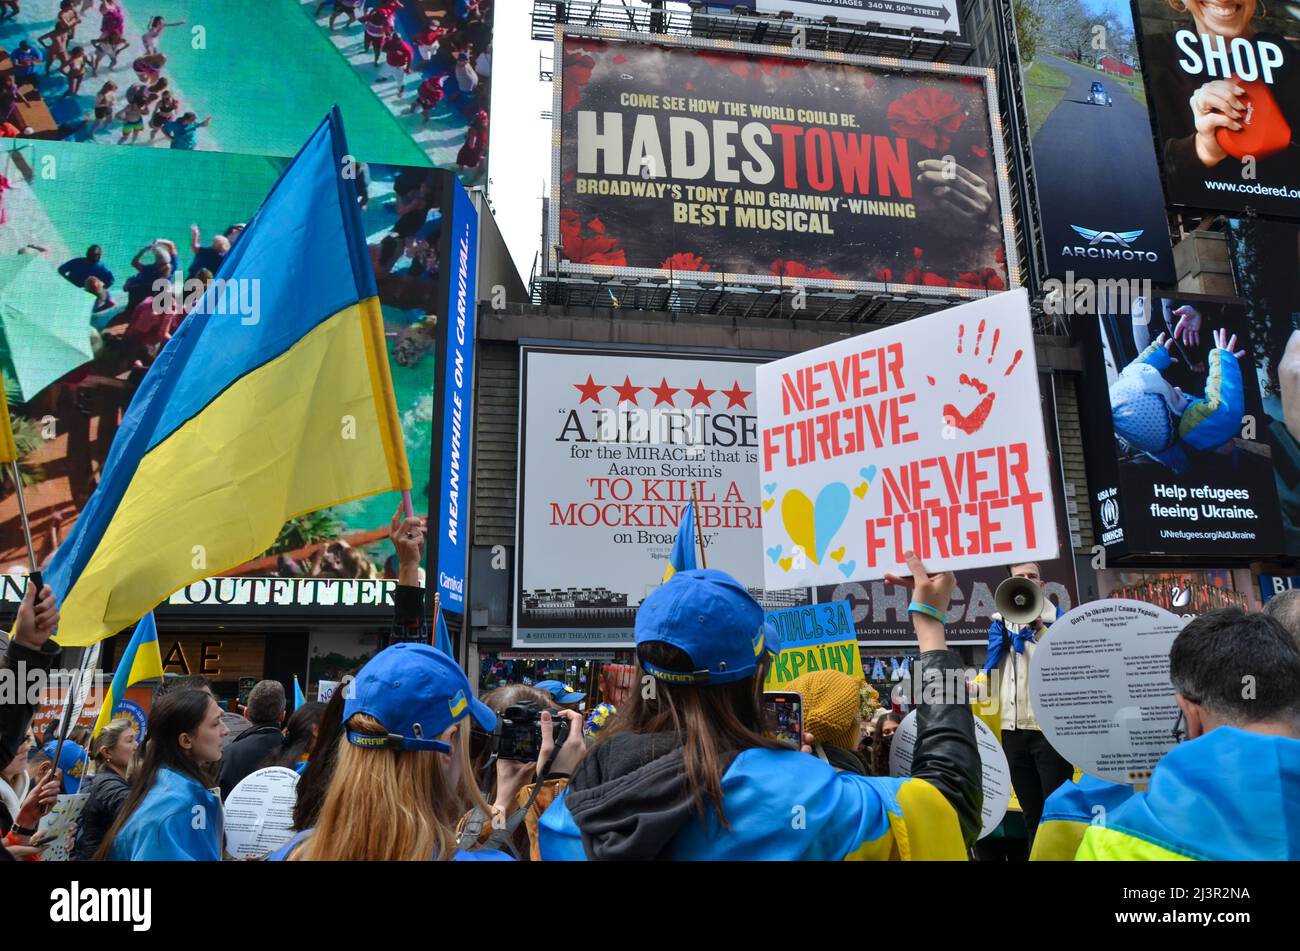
[298, 698]
[141, 660]
[442, 637]
[8, 450]
[683, 554]
[250, 415]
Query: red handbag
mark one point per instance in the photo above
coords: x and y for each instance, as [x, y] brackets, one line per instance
[1264, 129]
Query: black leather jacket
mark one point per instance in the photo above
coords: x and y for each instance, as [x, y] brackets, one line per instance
[946, 755]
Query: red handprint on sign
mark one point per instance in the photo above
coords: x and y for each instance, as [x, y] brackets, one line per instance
[973, 421]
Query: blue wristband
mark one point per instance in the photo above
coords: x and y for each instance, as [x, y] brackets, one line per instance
[916, 607]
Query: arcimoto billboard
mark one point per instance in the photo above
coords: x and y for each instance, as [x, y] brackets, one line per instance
[1098, 184]
[1224, 84]
[756, 165]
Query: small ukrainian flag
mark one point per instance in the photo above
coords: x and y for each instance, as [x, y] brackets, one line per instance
[142, 660]
[442, 638]
[683, 554]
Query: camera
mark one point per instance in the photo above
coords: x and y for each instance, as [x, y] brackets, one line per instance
[521, 731]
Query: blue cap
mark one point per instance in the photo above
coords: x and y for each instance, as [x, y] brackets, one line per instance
[709, 615]
[559, 691]
[416, 692]
[72, 760]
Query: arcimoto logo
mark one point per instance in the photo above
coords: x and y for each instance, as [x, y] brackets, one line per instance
[1113, 245]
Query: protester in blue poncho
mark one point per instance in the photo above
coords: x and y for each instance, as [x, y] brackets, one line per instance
[1232, 790]
[169, 815]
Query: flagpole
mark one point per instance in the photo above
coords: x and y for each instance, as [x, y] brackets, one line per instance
[35, 574]
[704, 561]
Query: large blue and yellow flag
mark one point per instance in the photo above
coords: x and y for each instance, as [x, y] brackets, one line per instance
[682, 557]
[298, 697]
[142, 660]
[256, 411]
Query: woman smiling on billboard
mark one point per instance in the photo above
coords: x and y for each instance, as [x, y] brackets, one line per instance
[1227, 97]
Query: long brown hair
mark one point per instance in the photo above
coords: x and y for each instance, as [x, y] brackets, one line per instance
[181, 711]
[710, 721]
[391, 805]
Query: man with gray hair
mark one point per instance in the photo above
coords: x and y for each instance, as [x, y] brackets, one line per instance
[1284, 607]
[265, 710]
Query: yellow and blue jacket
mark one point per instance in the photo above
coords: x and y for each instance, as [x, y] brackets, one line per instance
[1226, 796]
[630, 800]
[1068, 813]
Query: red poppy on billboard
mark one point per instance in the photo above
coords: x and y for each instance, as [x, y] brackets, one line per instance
[928, 116]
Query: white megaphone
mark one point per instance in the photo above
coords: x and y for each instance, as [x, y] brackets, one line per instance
[1019, 600]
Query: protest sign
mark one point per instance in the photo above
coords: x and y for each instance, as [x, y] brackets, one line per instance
[59, 827]
[995, 771]
[325, 690]
[1100, 690]
[259, 812]
[926, 436]
[813, 637]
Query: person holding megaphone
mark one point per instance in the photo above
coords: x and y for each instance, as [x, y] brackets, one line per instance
[1022, 619]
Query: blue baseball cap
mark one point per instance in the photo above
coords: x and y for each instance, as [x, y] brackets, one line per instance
[712, 618]
[73, 760]
[559, 691]
[416, 692]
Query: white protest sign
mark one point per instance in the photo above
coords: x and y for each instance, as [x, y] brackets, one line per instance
[259, 812]
[60, 826]
[995, 772]
[1099, 687]
[925, 436]
[325, 690]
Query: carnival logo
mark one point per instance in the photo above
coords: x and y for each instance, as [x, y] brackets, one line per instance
[1122, 238]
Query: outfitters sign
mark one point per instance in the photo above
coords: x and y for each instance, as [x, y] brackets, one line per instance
[1180, 465]
[854, 174]
[1224, 83]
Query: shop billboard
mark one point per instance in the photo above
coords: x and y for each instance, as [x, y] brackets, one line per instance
[613, 445]
[1180, 465]
[762, 165]
[1224, 86]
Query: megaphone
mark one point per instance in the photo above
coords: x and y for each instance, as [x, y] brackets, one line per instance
[1019, 600]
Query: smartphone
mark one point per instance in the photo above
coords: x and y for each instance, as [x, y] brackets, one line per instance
[782, 712]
